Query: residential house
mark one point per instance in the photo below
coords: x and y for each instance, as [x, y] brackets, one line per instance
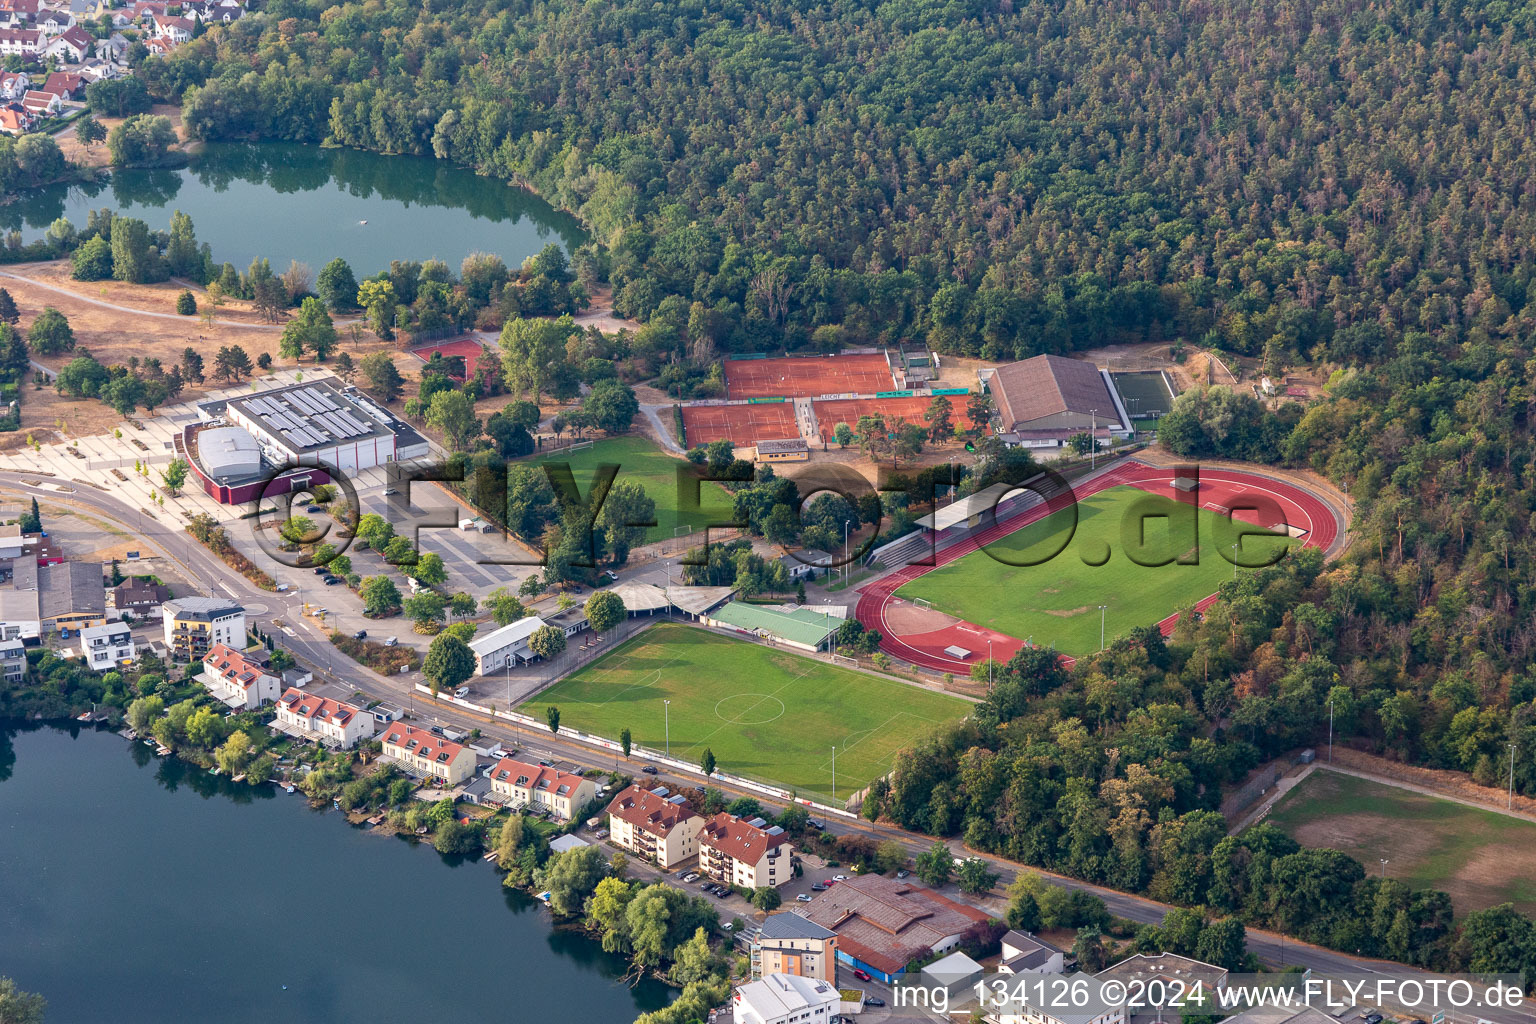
[810, 562]
[176, 30]
[20, 615]
[112, 48]
[884, 923]
[14, 85]
[71, 46]
[785, 998]
[506, 647]
[333, 723]
[158, 47]
[237, 680]
[123, 19]
[562, 793]
[788, 943]
[139, 598]
[13, 661]
[654, 825]
[42, 104]
[14, 120]
[1025, 954]
[20, 42]
[743, 853]
[107, 647]
[20, 10]
[66, 84]
[427, 754]
[53, 23]
[194, 625]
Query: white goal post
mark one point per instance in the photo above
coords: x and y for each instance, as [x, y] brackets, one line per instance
[843, 659]
[918, 602]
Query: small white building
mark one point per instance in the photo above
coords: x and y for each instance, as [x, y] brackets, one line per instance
[782, 998]
[1025, 954]
[13, 661]
[20, 615]
[107, 647]
[236, 680]
[14, 543]
[333, 723]
[505, 646]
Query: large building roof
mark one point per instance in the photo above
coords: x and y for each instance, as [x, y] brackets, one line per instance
[886, 922]
[318, 414]
[781, 996]
[651, 810]
[200, 609]
[789, 925]
[514, 634]
[72, 588]
[739, 839]
[803, 625]
[539, 778]
[1044, 386]
[228, 453]
[317, 709]
[233, 666]
[420, 743]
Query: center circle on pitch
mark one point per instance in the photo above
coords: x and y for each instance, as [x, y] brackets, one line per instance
[749, 708]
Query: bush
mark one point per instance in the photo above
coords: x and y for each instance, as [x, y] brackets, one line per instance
[186, 305]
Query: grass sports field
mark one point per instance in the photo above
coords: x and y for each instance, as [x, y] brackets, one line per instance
[1482, 858]
[765, 713]
[1057, 601]
[640, 460]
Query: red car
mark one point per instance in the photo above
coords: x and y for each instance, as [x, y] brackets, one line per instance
[829, 883]
[861, 974]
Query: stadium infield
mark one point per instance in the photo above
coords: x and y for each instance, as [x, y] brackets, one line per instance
[1482, 858]
[765, 713]
[654, 470]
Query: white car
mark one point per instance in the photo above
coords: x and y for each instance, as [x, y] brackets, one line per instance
[839, 878]
[461, 692]
[392, 641]
[803, 898]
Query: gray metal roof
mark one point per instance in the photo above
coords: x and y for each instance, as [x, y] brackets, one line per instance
[1041, 386]
[226, 452]
[789, 925]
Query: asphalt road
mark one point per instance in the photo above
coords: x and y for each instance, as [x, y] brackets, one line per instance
[310, 645]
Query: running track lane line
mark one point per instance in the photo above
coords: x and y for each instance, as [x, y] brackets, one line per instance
[1321, 530]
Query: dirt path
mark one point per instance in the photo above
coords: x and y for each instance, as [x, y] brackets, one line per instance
[179, 318]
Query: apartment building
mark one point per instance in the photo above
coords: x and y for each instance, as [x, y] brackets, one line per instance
[106, 647]
[239, 681]
[561, 793]
[13, 661]
[743, 853]
[322, 720]
[784, 999]
[195, 625]
[654, 825]
[790, 944]
[427, 754]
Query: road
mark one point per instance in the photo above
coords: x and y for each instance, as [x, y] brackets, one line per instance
[309, 645]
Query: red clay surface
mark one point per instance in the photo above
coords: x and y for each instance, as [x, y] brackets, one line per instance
[740, 424]
[1219, 489]
[469, 348]
[808, 376]
[832, 411]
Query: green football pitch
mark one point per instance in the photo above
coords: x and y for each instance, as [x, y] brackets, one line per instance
[1056, 602]
[653, 469]
[765, 713]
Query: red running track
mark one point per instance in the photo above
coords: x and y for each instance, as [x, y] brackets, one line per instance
[1219, 490]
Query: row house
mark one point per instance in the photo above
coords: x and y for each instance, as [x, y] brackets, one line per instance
[20, 42]
[654, 825]
[239, 681]
[743, 853]
[427, 754]
[333, 723]
[561, 793]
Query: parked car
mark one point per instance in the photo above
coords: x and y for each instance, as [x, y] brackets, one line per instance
[313, 509]
[437, 729]
[388, 491]
[803, 898]
[816, 824]
[692, 876]
[728, 926]
[461, 692]
[903, 873]
[610, 576]
[601, 833]
[819, 887]
[392, 641]
[861, 974]
[282, 588]
[331, 581]
[874, 1001]
[1373, 1018]
[321, 570]
[361, 634]
[649, 769]
[839, 878]
[829, 882]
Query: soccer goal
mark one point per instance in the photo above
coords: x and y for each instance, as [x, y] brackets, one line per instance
[919, 602]
[579, 446]
[843, 659]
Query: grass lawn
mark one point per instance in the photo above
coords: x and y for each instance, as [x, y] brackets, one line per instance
[1057, 601]
[641, 460]
[1482, 858]
[765, 713]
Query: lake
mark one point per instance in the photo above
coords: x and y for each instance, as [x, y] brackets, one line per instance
[137, 888]
[288, 202]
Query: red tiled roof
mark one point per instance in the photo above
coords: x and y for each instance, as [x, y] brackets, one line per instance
[314, 708]
[643, 809]
[885, 922]
[535, 777]
[231, 665]
[735, 838]
[420, 743]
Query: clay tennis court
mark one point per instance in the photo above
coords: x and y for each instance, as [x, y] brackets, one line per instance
[739, 424]
[469, 348]
[830, 412]
[808, 376]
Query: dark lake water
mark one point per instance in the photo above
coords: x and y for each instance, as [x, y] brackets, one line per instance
[294, 202]
[135, 888]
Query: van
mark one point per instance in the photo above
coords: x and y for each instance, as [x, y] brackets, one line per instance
[282, 588]
[392, 641]
[461, 692]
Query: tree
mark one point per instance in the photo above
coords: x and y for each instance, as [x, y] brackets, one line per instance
[312, 330]
[205, 728]
[336, 285]
[231, 363]
[552, 717]
[143, 712]
[974, 877]
[381, 376]
[532, 349]
[604, 610]
[235, 753]
[82, 377]
[547, 641]
[380, 596]
[186, 305]
[707, 761]
[940, 417]
[505, 608]
[1089, 950]
[345, 368]
[890, 856]
[9, 314]
[571, 877]
[32, 519]
[424, 607]
[429, 569]
[767, 898]
[935, 864]
[377, 298]
[18, 1007]
[142, 140]
[606, 913]
[118, 97]
[175, 475]
[191, 365]
[449, 662]
[611, 406]
[92, 261]
[626, 514]
[453, 412]
[50, 333]
[90, 130]
[625, 741]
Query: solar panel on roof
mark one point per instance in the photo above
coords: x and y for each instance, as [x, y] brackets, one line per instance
[352, 420]
[301, 402]
[320, 398]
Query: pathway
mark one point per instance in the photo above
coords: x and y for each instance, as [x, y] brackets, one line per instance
[129, 309]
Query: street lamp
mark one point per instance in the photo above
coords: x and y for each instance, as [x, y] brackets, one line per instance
[1093, 439]
[834, 773]
[1101, 626]
[666, 713]
[1234, 558]
[845, 549]
[1384, 863]
[1510, 804]
[1330, 728]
